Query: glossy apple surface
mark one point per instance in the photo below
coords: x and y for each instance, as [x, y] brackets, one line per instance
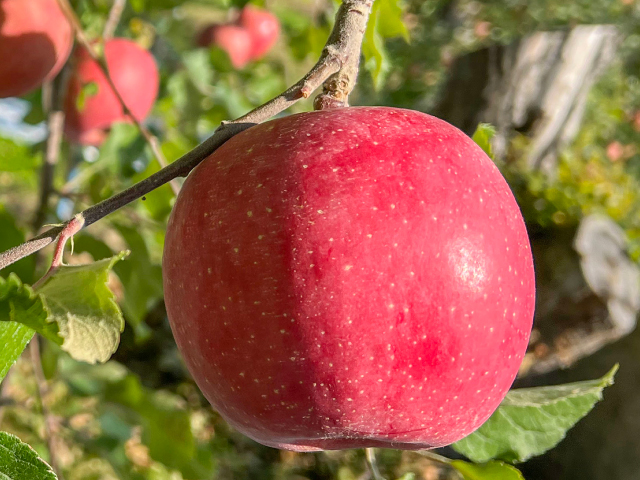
[35, 42]
[264, 28]
[234, 40]
[350, 278]
[91, 105]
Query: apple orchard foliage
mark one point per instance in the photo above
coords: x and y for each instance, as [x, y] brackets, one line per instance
[139, 416]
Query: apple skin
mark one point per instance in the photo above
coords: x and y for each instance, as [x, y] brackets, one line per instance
[234, 40]
[264, 28]
[35, 42]
[134, 73]
[348, 278]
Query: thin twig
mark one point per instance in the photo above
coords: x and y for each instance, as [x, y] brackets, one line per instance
[93, 52]
[49, 422]
[350, 23]
[53, 100]
[113, 19]
[373, 464]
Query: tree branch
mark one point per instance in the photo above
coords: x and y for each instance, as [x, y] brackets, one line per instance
[350, 23]
[338, 87]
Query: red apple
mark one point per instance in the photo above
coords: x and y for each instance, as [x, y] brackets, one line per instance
[350, 278]
[234, 40]
[264, 28]
[135, 75]
[35, 42]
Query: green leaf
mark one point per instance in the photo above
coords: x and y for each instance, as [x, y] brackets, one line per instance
[20, 304]
[390, 22]
[483, 136]
[15, 157]
[19, 307]
[88, 90]
[124, 145]
[486, 471]
[18, 461]
[531, 421]
[386, 21]
[14, 338]
[85, 310]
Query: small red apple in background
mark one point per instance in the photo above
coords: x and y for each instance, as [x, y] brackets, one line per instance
[264, 28]
[350, 278]
[134, 73]
[234, 40]
[35, 42]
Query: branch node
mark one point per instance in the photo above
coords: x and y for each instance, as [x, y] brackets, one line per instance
[72, 227]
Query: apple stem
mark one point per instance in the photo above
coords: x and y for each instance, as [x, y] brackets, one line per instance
[370, 454]
[338, 53]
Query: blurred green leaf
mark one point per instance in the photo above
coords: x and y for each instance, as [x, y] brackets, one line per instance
[486, 471]
[483, 136]
[18, 461]
[15, 157]
[408, 476]
[124, 145]
[142, 280]
[166, 427]
[531, 421]
[199, 69]
[386, 21]
[88, 90]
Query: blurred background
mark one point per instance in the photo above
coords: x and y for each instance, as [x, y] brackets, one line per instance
[559, 82]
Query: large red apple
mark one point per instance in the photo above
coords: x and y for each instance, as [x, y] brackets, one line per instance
[234, 40]
[350, 278]
[264, 28]
[35, 42]
[91, 105]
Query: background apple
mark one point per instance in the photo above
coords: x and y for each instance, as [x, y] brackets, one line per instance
[264, 28]
[234, 40]
[91, 105]
[349, 278]
[35, 42]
